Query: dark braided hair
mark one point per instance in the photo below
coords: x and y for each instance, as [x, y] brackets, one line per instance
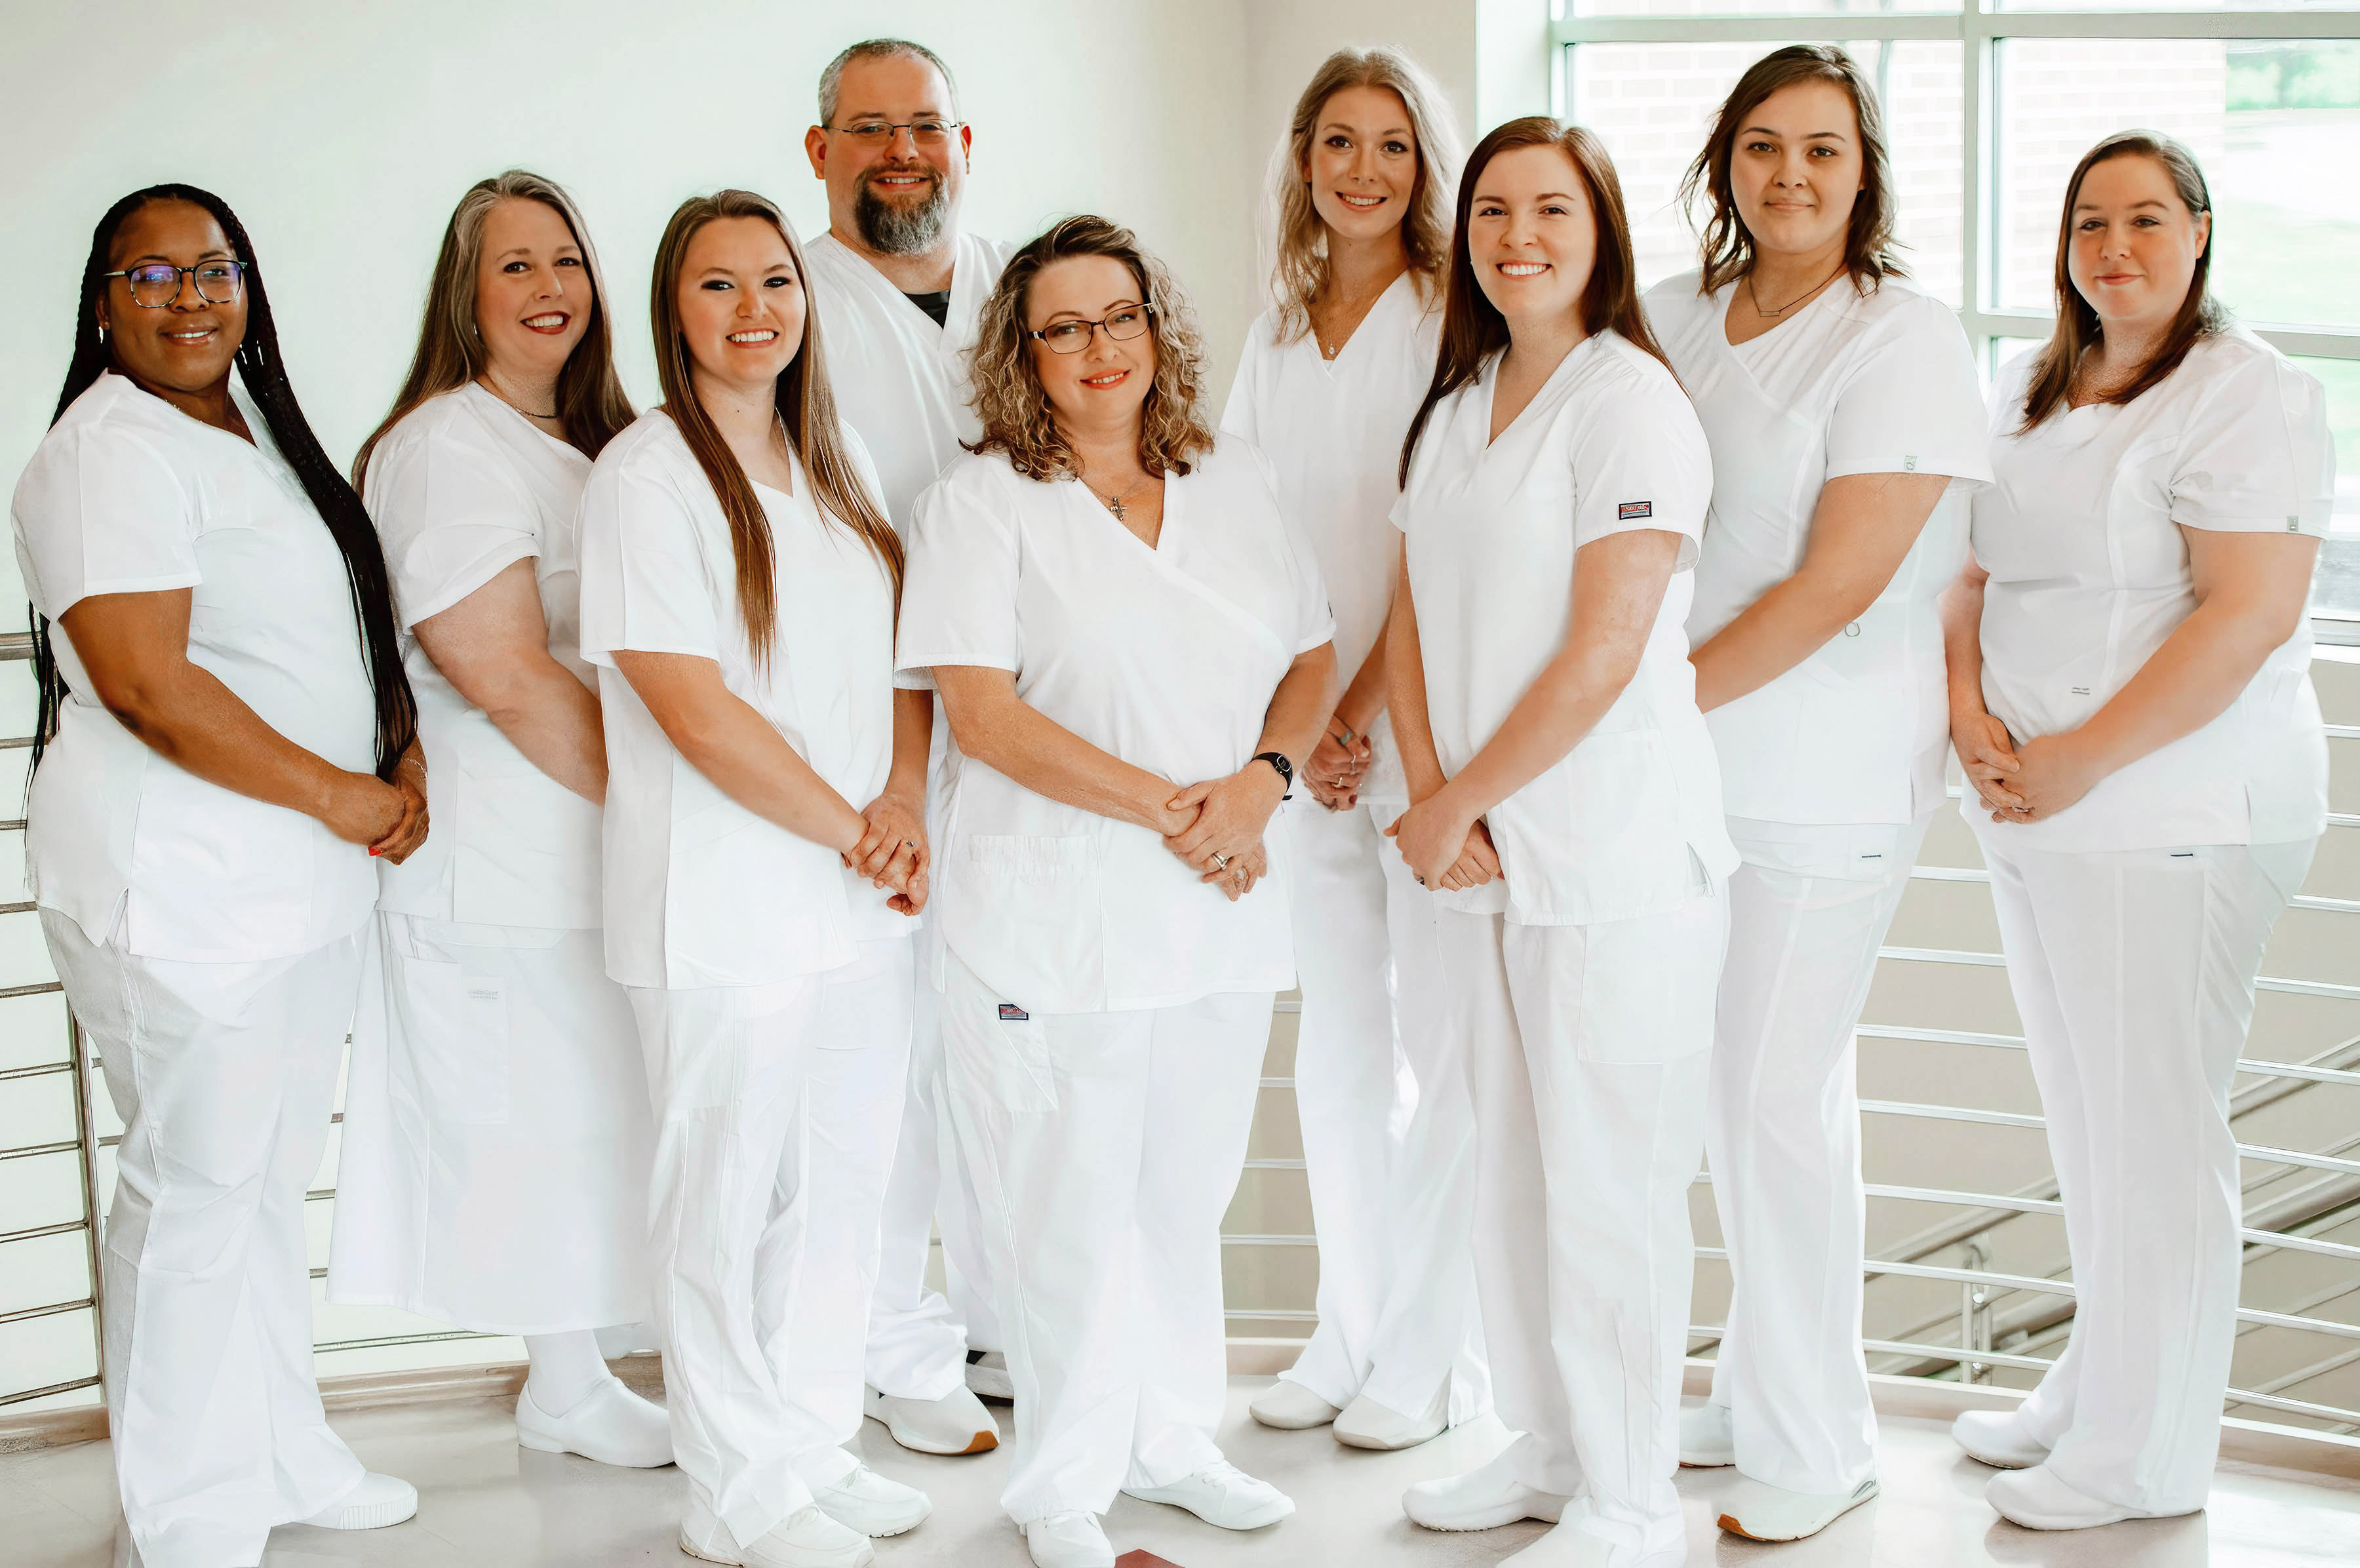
[264, 374]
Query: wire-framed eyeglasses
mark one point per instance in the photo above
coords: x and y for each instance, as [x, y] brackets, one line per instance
[1072, 337]
[156, 284]
[930, 134]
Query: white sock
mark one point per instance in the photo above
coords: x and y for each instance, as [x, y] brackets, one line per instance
[564, 1369]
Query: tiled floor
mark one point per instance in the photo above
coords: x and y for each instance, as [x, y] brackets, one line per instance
[486, 1503]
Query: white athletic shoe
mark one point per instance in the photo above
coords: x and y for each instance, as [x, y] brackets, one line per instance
[376, 1502]
[610, 1424]
[806, 1539]
[873, 1504]
[1291, 1407]
[1706, 1439]
[2036, 1499]
[1760, 1511]
[1481, 1499]
[1368, 1424]
[1996, 1437]
[955, 1423]
[1221, 1494]
[987, 1374]
[1068, 1541]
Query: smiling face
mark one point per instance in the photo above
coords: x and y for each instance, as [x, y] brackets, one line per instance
[2134, 244]
[1363, 165]
[1796, 168]
[741, 305]
[184, 347]
[1107, 382]
[1532, 234]
[898, 196]
[532, 290]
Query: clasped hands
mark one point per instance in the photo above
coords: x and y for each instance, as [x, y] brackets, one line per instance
[1217, 825]
[892, 851]
[1337, 764]
[1445, 844]
[2021, 783]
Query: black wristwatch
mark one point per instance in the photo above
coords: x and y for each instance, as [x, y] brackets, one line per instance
[1285, 770]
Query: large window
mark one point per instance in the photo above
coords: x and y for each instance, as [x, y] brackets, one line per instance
[1988, 109]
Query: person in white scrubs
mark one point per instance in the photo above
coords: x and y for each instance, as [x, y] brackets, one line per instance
[760, 875]
[905, 284]
[2131, 700]
[1329, 376]
[1847, 433]
[494, 1166]
[225, 741]
[1134, 651]
[1568, 816]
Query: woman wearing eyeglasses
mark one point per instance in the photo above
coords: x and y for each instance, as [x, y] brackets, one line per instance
[1133, 646]
[227, 749]
[495, 1160]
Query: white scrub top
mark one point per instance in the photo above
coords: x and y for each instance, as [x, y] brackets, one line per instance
[1168, 659]
[1629, 822]
[1332, 429]
[1882, 384]
[460, 489]
[2090, 573]
[901, 380]
[127, 495]
[698, 890]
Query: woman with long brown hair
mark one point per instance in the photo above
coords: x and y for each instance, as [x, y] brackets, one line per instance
[1567, 814]
[765, 849]
[2131, 700]
[1847, 431]
[1132, 648]
[1360, 197]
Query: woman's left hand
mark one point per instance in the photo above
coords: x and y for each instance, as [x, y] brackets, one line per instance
[892, 851]
[401, 840]
[1237, 878]
[2055, 773]
[1444, 848]
[1230, 815]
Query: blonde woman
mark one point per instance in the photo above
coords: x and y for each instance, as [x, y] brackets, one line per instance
[1133, 650]
[493, 1170]
[739, 579]
[1360, 193]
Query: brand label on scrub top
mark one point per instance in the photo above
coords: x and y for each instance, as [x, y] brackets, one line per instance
[1629, 509]
[1010, 1013]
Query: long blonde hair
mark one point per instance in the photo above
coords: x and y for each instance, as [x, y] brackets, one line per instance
[806, 411]
[450, 353]
[1293, 234]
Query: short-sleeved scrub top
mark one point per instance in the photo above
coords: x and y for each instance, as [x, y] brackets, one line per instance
[699, 891]
[128, 494]
[1629, 822]
[462, 489]
[1168, 658]
[2083, 537]
[1853, 382]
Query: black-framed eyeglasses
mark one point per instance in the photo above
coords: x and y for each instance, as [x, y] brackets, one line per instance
[1072, 337]
[929, 133]
[156, 284]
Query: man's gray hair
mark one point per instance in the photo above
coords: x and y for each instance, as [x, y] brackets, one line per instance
[878, 48]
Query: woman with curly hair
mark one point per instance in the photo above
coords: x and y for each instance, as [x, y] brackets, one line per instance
[1133, 649]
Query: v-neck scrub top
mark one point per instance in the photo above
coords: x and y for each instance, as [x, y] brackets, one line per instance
[460, 489]
[1629, 822]
[1168, 658]
[699, 891]
[1851, 384]
[2081, 535]
[128, 494]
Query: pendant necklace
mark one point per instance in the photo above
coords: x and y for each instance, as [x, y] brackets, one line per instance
[1761, 309]
[1115, 503]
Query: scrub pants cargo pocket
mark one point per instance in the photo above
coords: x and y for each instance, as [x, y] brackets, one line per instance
[456, 1026]
[996, 1049]
[1645, 988]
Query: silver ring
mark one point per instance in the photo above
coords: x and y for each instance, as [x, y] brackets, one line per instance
[1220, 862]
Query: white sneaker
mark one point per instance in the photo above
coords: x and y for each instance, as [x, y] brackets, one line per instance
[2036, 1499]
[1760, 1511]
[1221, 1494]
[1368, 1424]
[1290, 1407]
[1996, 1437]
[1481, 1499]
[955, 1423]
[610, 1424]
[376, 1502]
[987, 1374]
[806, 1539]
[1068, 1541]
[873, 1504]
[1706, 1441]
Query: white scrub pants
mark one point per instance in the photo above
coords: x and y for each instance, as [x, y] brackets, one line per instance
[494, 1172]
[777, 1108]
[1105, 1147]
[2133, 974]
[1589, 1050]
[1388, 1136]
[1808, 911]
[224, 1075]
[918, 1340]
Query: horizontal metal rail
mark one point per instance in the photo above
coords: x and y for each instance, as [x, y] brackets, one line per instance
[23, 1314]
[1973, 873]
[65, 1388]
[1270, 1240]
[2022, 1119]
